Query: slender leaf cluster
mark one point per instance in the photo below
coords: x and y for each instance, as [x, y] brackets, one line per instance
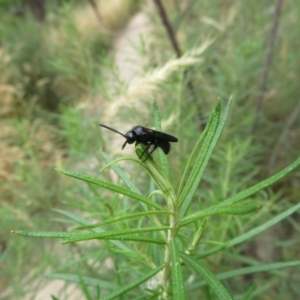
[166, 217]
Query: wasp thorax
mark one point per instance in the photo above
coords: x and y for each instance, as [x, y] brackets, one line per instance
[130, 137]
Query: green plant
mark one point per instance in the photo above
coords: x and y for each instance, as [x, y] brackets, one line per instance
[158, 237]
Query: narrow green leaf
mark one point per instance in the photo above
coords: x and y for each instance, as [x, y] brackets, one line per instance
[163, 158]
[192, 156]
[121, 174]
[123, 158]
[185, 198]
[83, 221]
[110, 186]
[128, 287]
[68, 237]
[253, 270]
[197, 238]
[261, 185]
[258, 269]
[177, 278]
[195, 175]
[138, 238]
[210, 278]
[79, 236]
[47, 234]
[253, 232]
[110, 234]
[223, 210]
[122, 218]
[84, 286]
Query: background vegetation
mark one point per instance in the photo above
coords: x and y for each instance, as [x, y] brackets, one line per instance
[64, 71]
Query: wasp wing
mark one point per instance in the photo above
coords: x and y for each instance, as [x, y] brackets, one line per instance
[160, 135]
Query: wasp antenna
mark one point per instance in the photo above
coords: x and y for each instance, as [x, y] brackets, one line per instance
[124, 145]
[107, 127]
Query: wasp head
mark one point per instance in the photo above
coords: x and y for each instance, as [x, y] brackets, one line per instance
[130, 138]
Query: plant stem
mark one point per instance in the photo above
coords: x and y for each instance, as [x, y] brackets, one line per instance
[168, 26]
[175, 45]
[167, 190]
[168, 266]
[267, 62]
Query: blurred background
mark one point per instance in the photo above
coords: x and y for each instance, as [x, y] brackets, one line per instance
[66, 66]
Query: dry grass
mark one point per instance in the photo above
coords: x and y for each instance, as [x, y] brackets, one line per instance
[142, 87]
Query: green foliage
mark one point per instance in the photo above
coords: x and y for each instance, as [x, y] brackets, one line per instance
[56, 63]
[177, 255]
[60, 77]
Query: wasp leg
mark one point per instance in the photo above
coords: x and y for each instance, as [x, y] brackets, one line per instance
[145, 150]
[155, 145]
[154, 148]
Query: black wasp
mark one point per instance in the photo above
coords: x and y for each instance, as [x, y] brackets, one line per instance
[148, 137]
